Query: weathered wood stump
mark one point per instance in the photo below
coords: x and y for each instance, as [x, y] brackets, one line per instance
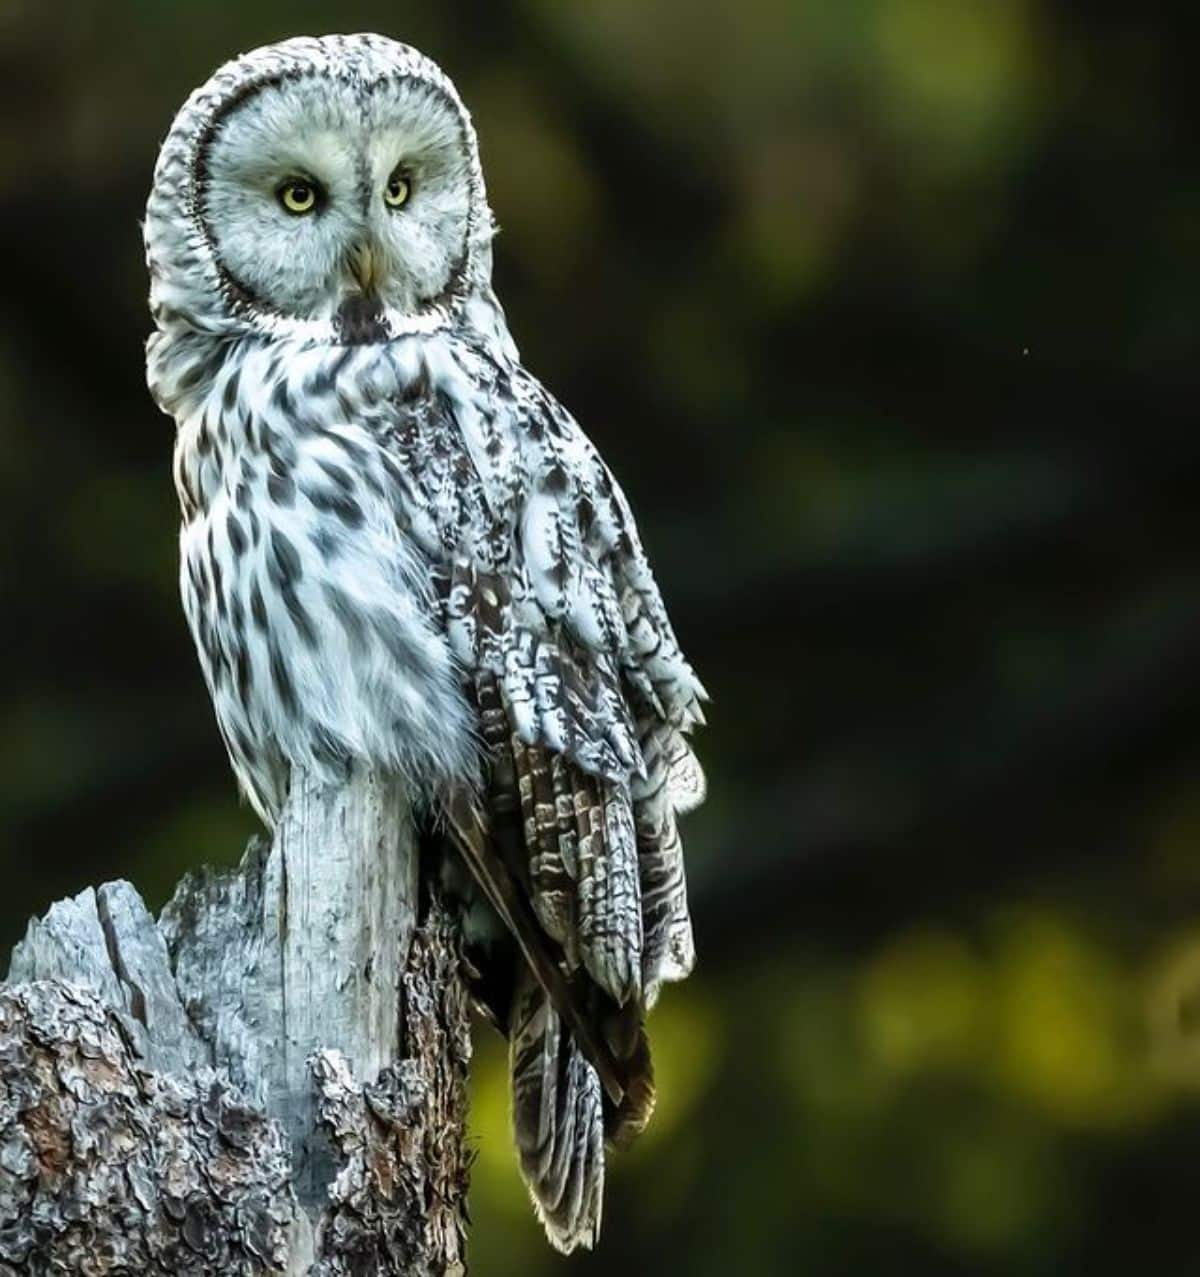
[271, 1078]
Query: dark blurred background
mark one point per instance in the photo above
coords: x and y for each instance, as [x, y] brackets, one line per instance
[884, 312]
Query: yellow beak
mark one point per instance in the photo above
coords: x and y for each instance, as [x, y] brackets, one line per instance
[364, 266]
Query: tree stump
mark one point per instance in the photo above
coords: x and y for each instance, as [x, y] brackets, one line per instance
[271, 1078]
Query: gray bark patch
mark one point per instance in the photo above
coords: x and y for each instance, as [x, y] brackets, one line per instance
[270, 1079]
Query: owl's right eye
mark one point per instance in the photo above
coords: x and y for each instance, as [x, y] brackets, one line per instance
[298, 195]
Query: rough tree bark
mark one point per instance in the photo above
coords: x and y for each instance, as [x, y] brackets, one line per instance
[268, 1079]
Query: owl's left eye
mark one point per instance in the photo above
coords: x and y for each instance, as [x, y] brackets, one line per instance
[398, 189]
[298, 195]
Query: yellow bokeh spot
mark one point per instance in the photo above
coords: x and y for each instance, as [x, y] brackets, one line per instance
[959, 71]
[922, 1002]
[684, 1043]
[490, 1126]
[1067, 1033]
[996, 1184]
[1173, 1014]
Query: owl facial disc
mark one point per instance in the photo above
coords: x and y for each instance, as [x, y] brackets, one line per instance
[333, 191]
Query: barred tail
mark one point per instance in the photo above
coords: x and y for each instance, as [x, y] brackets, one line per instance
[558, 1120]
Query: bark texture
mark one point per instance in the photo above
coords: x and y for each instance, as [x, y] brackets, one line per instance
[270, 1079]
[107, 1168]
[397, 1204]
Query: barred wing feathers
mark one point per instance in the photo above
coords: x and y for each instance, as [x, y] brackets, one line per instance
[585, 701]
[551, 594]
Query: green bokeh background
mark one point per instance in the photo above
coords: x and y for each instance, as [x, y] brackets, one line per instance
[884, 312]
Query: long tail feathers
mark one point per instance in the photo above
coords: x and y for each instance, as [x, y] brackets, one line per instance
[558, 1121]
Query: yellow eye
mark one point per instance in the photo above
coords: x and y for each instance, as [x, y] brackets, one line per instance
[298, 196]
[395, 193]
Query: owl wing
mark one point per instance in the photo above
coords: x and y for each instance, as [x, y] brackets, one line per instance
[585, 702]
[558, 620]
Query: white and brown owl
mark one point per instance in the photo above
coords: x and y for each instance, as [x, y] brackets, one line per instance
[399, 550]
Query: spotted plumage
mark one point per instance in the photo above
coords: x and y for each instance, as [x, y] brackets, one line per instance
[398, 549]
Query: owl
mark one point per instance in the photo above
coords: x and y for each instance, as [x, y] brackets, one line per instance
[399, 551]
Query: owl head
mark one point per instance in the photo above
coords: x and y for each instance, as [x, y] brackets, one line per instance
[326, 188]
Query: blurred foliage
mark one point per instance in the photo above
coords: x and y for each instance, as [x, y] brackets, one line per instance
[884, 312]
